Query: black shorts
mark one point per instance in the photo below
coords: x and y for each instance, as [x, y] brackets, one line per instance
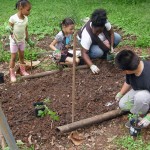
[64, 56]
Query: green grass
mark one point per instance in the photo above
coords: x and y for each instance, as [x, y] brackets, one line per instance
[128, 143]
[130, 15]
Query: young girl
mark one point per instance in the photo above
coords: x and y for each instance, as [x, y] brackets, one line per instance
[62, 42]
[18, 34]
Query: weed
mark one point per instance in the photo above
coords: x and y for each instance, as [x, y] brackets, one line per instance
[47, 65]
[4, 56]
[21, 146]
[128, 142]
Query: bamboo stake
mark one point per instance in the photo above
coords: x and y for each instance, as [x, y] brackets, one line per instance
[73, 75]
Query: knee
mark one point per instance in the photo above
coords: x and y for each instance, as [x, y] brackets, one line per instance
[122, 105]
[77, 61]
[95, 52]
[117, 39]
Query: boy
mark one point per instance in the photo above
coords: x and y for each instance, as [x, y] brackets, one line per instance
[136, 89]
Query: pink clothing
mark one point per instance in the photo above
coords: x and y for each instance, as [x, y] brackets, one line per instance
[15, 47]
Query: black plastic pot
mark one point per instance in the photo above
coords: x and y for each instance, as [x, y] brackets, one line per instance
[1, 78]
[134, 130]
[37, 111]
[38, 106]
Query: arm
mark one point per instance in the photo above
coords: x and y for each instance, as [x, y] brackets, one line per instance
[27, 35]
[52, 45]
[125, 88]
[111, 31]
[86, 57]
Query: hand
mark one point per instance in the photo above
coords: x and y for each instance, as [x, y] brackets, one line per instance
[57, 54]
[111, 49]
[31, 43]
[118, 96]
[94, 69]
[145, 121]
[9, 29]
[106, 42]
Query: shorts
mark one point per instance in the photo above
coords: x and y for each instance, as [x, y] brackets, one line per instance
[15, 47]
[64, 56]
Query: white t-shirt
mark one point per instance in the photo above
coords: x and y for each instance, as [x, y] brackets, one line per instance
[86, 40]
[18, 28]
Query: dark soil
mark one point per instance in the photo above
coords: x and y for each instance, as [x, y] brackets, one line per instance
[93, 92]
[93, 95]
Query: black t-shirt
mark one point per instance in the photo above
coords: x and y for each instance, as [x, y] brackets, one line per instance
[141, 82]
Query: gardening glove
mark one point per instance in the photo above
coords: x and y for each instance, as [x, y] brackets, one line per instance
[9, 29]
[31, 43]
[111, 49]
[57, 54]
[118, 96]
[145, 121]
[94, 69]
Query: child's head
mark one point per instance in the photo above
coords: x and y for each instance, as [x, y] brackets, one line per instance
[98, 19]
[67, 26]
[23, 6]
[127, 60]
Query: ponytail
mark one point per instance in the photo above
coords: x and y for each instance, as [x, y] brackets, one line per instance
[66, 22]
[22, 3]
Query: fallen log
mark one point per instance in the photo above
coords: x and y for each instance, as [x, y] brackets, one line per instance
[90, 121]
[42, 74]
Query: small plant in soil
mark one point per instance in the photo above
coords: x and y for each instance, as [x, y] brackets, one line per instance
[49, 112]
[41, 110]
[134, 129]
[21, 146]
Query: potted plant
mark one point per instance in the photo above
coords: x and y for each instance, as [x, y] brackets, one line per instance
[39, 106]
[110, 56]
[42, 110]
[134, 129]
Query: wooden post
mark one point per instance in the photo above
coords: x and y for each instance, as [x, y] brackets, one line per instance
[90, 121]
[73, 75]
[4, 127]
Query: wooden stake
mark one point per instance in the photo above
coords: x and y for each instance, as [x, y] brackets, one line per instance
[73, 75]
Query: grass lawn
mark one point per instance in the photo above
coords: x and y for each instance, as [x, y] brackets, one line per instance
[46, 15]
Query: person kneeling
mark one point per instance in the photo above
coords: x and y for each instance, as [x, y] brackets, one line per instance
[134, 95]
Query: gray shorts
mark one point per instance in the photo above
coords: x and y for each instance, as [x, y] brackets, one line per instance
[137, 102]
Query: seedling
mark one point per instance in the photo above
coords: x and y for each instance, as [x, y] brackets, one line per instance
[21, 145]
[134, 120]
[42, 110]
[47, 111]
